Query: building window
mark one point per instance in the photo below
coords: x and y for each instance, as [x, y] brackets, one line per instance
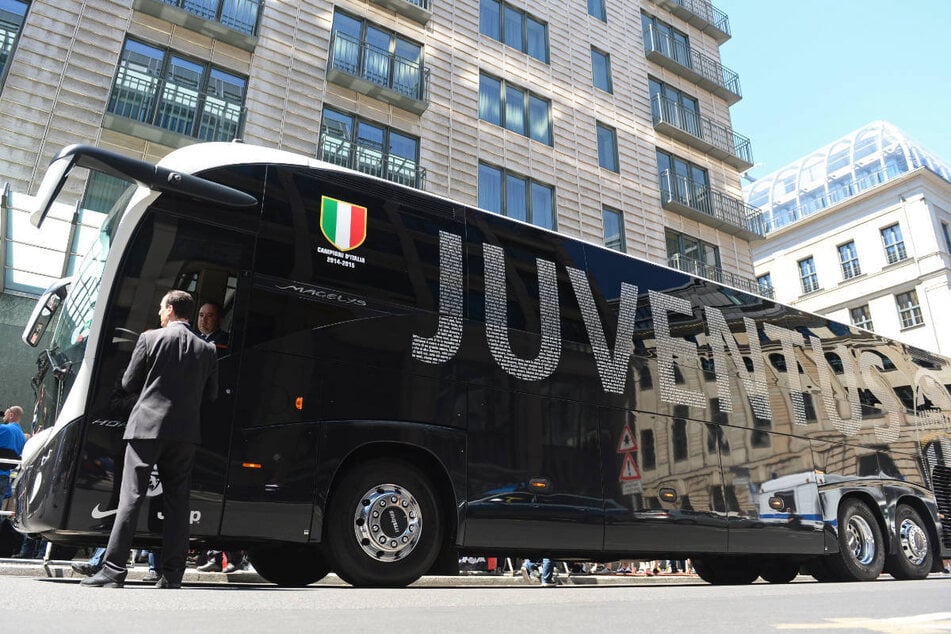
[894, 244]
[679, 433]
[692, 255]
[683, 182]
[12, 15]
[648, 454]
[370, 148]
[613, 222]
[861, 317]
[765, 282]
[377, 55]
[807, 275]
[515, 109]
[597, 9]
[516, 196]
[513, 27]
[167, 90]
[607, 148]
[665, 39]
[908, 309]
[849, 259]
[947, 235]
[238, 15]
[601, 69]
[675, 107]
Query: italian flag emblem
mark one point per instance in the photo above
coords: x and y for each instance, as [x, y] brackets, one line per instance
[342, 223]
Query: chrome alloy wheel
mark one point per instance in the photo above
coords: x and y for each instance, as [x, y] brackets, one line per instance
[861, 540]
[387, 522]
[913, 541]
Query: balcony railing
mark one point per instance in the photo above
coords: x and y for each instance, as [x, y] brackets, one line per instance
[715, 273]
[701, 14]
[417, 10]
[378, 73]
[717, 140]
[693, 65]
[370, 158]
[710, 206]
[238, 15]
[208, 116]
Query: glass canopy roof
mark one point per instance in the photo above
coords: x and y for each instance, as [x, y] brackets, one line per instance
[869, 156]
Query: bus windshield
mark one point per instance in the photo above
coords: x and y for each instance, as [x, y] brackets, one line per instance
[68, 343]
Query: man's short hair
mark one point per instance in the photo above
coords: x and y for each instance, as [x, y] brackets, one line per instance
[211, 302]
[182, 303]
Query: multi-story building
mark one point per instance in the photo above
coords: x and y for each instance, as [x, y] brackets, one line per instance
[860, 231]
[606, 120]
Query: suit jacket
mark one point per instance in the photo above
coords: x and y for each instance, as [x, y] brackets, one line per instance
[219, 338]
[172, 369]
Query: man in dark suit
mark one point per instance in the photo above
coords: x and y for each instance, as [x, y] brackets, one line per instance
[209, 326]
[171, 369]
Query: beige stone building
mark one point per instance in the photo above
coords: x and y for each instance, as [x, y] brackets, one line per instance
[606, 120]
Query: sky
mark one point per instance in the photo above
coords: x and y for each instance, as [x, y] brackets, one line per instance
[812, 71]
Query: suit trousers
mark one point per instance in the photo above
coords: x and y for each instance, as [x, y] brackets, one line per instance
[175, 461]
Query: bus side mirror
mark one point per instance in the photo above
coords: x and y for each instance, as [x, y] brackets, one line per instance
[44, 311]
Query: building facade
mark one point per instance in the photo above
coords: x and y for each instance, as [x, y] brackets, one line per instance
[606, 120]
[860, 231]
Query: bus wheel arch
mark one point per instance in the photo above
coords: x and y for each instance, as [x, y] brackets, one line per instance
[913, 553]
[401, 486]
[862, 541]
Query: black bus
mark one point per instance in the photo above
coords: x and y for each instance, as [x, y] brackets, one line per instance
[409, 379]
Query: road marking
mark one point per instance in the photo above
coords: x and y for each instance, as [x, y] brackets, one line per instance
[934, 623]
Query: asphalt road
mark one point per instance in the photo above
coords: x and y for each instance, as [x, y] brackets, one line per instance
[61, 605]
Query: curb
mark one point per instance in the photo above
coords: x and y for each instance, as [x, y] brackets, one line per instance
[59, 569]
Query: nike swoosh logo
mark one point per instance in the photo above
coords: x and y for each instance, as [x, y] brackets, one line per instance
[98, 515]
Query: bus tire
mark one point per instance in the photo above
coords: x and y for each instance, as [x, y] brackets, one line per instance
[820, 570]
[913, 553]
[779, 569]
[383, 524]
[289, 565]
[861, 555]
[727, 571]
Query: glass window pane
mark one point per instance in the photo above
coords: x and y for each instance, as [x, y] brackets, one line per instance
[539, 119]
[490, 19]
[516, 197]
[613, 229]
[543, 206]
[490, 188]
[596, 9]
[513, 29]
[514, 110]
[490, 95]
[601, 70]
[178, 106]
[607, 148]
[537, 40]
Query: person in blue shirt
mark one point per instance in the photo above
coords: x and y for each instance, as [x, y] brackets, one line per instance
[12, 440]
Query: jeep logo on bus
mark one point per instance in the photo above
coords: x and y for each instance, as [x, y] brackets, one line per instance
[612, 360]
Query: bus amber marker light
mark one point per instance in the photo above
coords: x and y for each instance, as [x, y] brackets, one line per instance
[251, 465]
[299, 403]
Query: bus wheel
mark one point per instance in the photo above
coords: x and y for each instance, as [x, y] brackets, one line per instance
[727, 571]
[914, 556]
[820, 570]
[383, 527]
[779, 569]
[289, 565]
[861, 556]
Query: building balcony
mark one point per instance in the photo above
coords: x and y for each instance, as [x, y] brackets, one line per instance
[232, 21]
[370, 158]
[416, 10]
[717, 140]
[692, 65]
[173, 114]
[702, 15]
[378, 73]
[710, 206]
[715, 273]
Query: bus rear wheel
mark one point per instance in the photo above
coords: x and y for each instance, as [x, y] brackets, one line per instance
[779, 570]
[913, 556]
[289, 565]
[861, 555]
[383, 525]
[727, 571]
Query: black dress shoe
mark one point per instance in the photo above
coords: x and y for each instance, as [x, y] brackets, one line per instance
[105, 579]
[165, 584]
[84, 569]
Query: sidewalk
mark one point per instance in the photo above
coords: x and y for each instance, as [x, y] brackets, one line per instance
[59, 569]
